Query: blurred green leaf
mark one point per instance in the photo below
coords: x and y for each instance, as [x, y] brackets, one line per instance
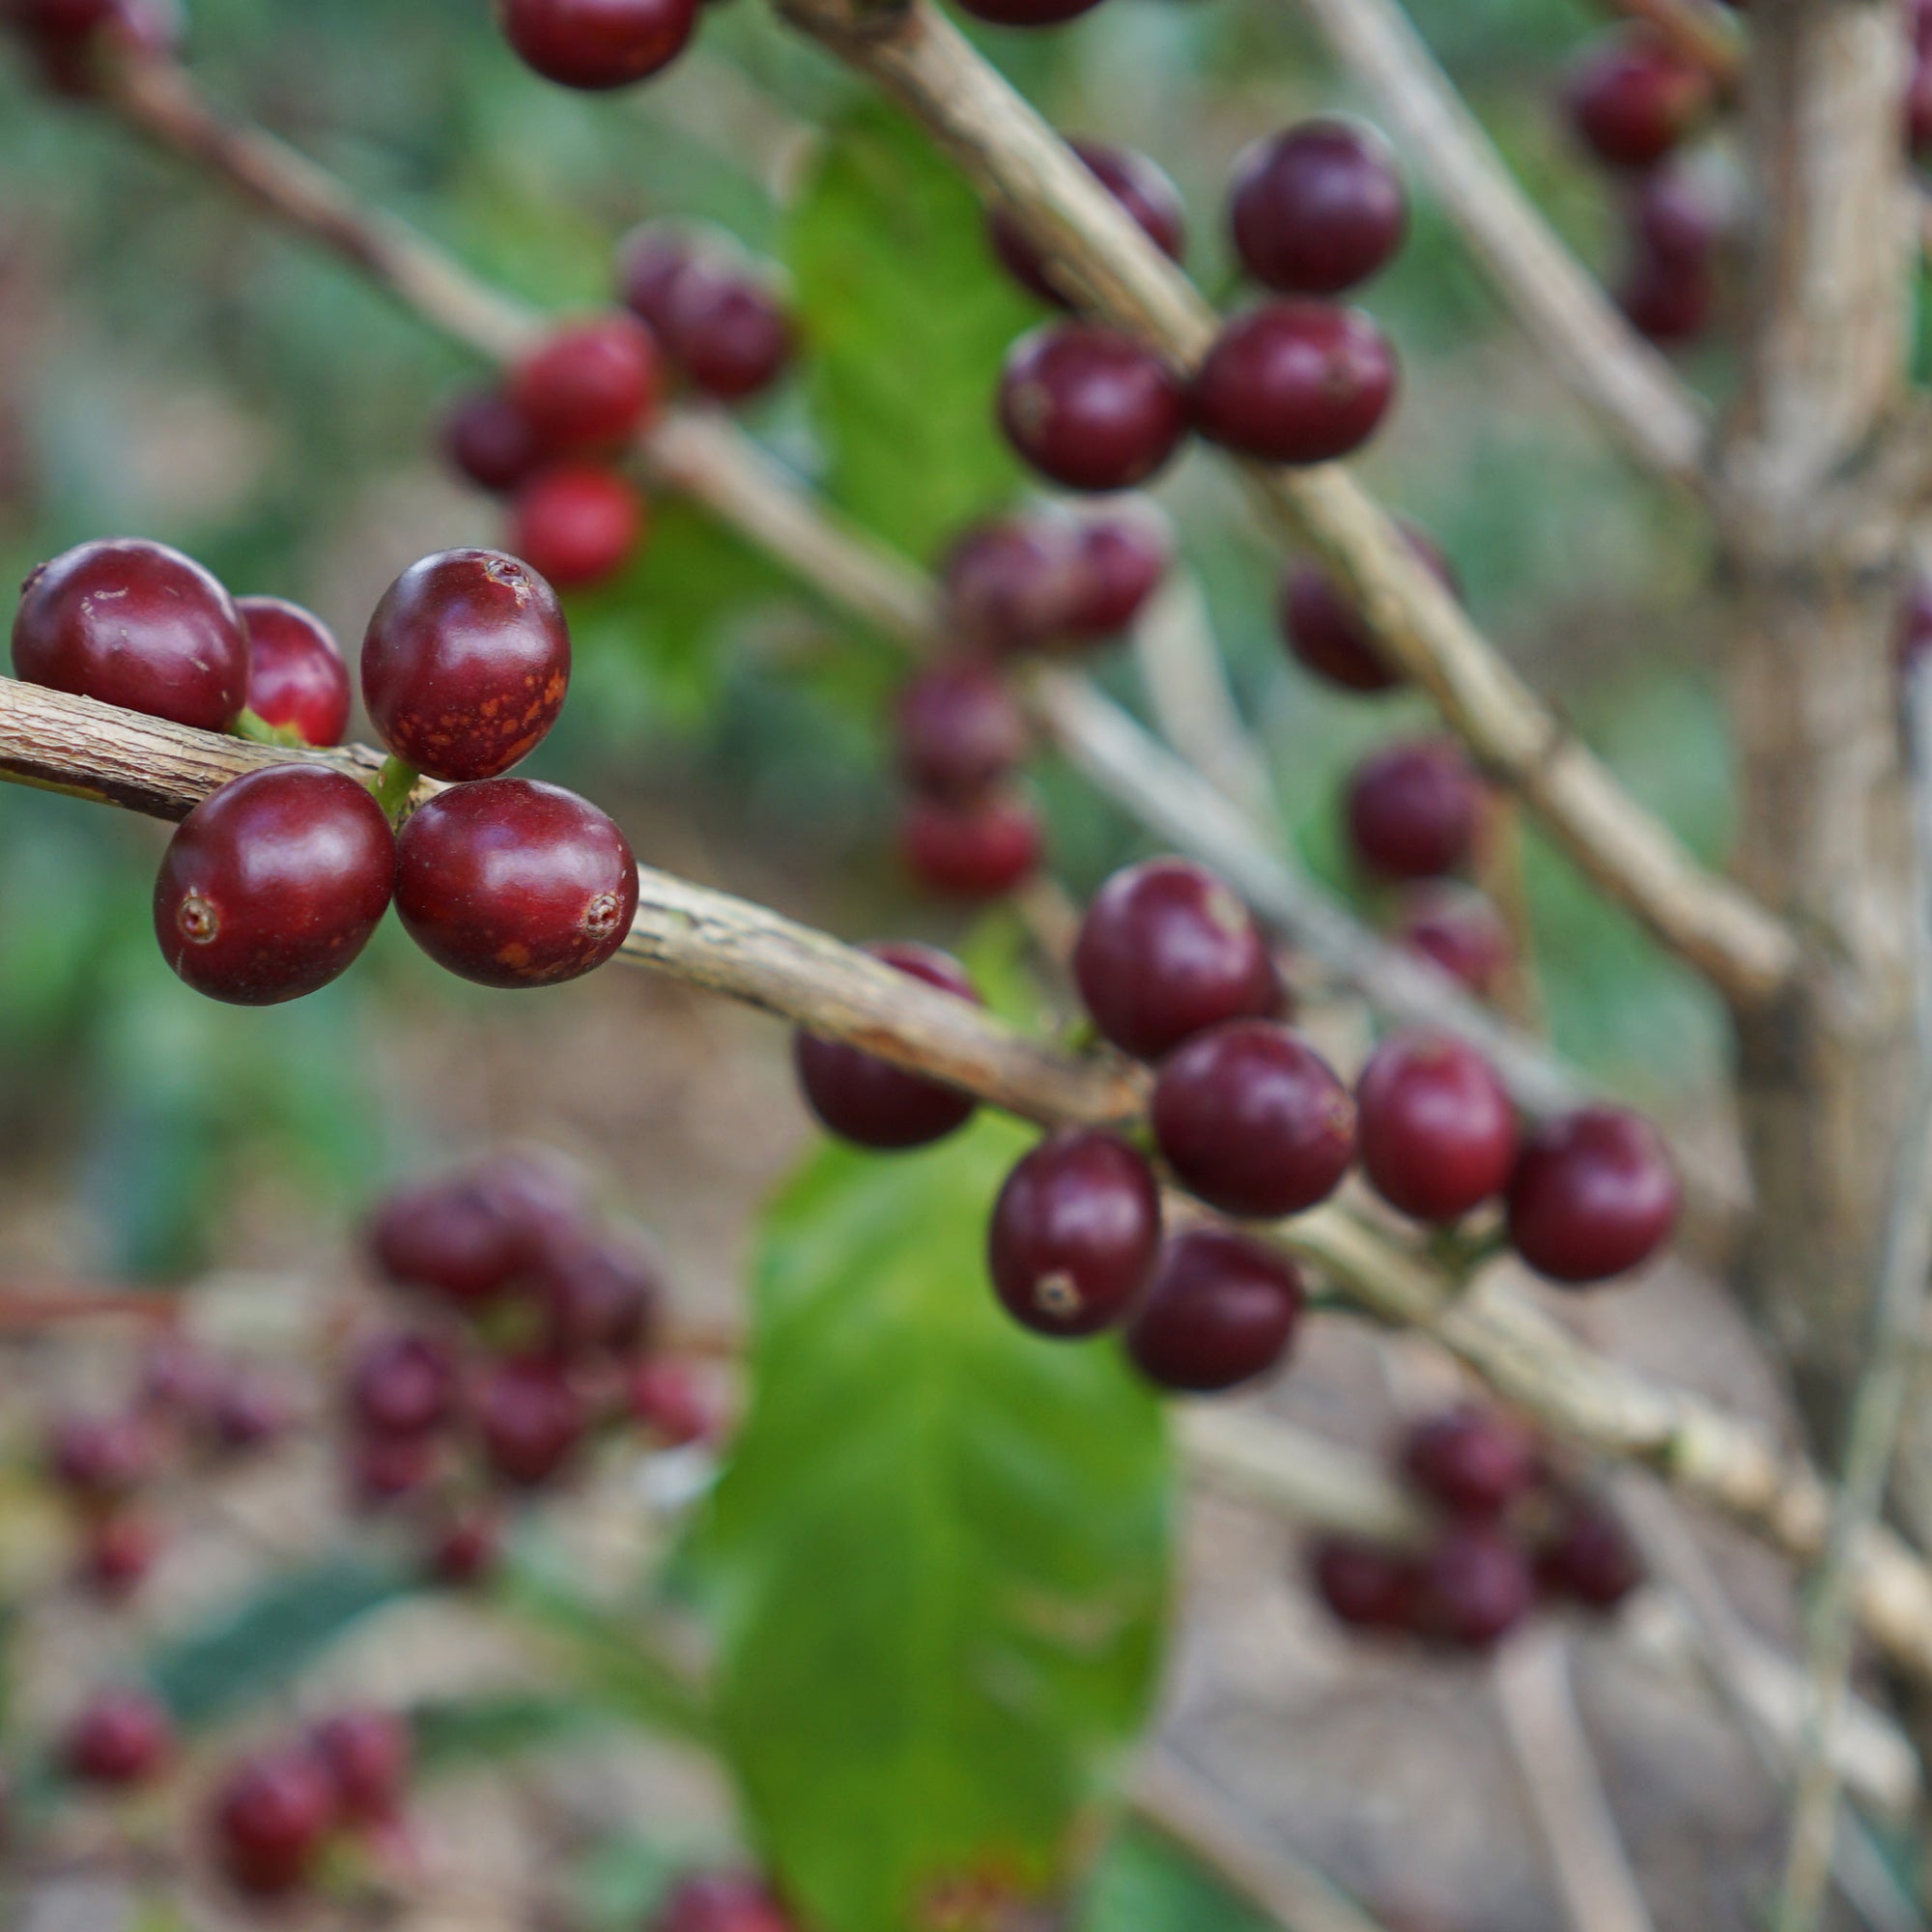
[1144, 1885]
[462, 1733]
[939, 1557]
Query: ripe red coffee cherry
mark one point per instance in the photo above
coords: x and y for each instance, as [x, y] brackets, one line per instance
[1121, 562]
[531, 1421]
[577, 524]
[1413, 809]
[179, 1379]
[489, 440]
[980, 850]
[251, 1411]
[271, 1818]
[1476, 1586]
[650, 260]
[1327, 631]
[1296, 382]
[1669, 302]
[1458, 932]
[960, 730]
[1435, 1126]
[1474, 1462]
[590, 386]
[58, 19]
[272, 884]
[725, 329]
[1074, 1234]
[1027, 13]
[1012, 584]
[101, 1459]
[1366, 1585]
[1220, 1311]
[1633, 99]
[1912, 638]
[403, 1383]
[470, 1236]
[1165, 952]
[722, 1902]
[1594, 1195]
[1318, 208]
[598, 44]
[1136, 183]
[119, 1740]
[1253, 1121]
[466, 1550]
[296, 675]
[671, 1401]
[71, 62]
[138, 625]
[1090, 408]
[1587, 1557]
[1672, 218]
[868, 1100]
[599, 1294]
[513, 884]
[466, 664]
[367, 1757]
[116, 1554]
[385, 1470]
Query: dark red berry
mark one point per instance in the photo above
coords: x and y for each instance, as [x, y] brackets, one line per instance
[1220, 1311]
[1912, 634]
[1327, 630]
[297, 678]
[960, 730]
[251, 1411]
[466, 664]
[1318, 208]
[58, 19]
[1167, 950]
[511, 883]
[722, 1902]
[725, 329]
[531, 1421]
[1075, 1233]
[1012, 584]
[117, 1552]
[1090, 408]
[271, 1816]
[403, 1383]
[672, 1402]
[590, 386]
[1633, 99]
[1476, 1586]
[868, 1100]
[469, 1237]
[179, 1379]
[1296, 382]
[1413, 809]
[1594, 1195]
[466, 1550]
[1254, 1120]
[1458, 932]
[386, 1469]
[577, 524]
[366, 1756]
[1136, 183]
[598, 44]
[599, 1294]
[272, 884]
[1918, 106]
[1669, 302]
[1027, 13]
[1587, 1557]
[650, 260]
[1366, 1585]
[1435, 1126]
[490, 441]
[138, 625]
[101, 1457]
[980, 850]
[119, 1740]
[1474, 1462]
[71, 64]
[1121, 562]
[1672, 218]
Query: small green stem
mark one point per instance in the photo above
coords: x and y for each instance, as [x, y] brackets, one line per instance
[257, 730]
[394, 783]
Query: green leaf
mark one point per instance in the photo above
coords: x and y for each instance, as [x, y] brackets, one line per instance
[938, 1559]
[907, 320]
[461, 1733]
[1144, 1885]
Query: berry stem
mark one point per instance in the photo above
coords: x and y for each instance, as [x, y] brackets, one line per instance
[395, 785]
[257, 730]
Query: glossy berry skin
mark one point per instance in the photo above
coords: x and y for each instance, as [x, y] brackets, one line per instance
[403, 1383]
[1074, 1234]
[577, 524]
[598, 44]
[1296, 382]
[870, 1101]
[138, 625]
[489, 440]
[1318, 208]
[671, 1402]
[722, 1902]
[982, 850]
[1366, 1585]
[120, 1740]
[296, 675]
[272, 884]
[1253, 1121]
[726, 329]
[599, 1295]
[1220, 1311]
[271, 1816]
[1632, 99]
[1120, 560]
[1474, 1462]
[1476, 1586]
[1137, 183]
[1027, 13]
[1594, 1195]
[466, 664]
[960, 731]
[468, 1238]
[1435, 1126]
[1457, 931]
[1165, 952]
[651, 259]
[590, 386]
[367, 1757]
[101, 1459]
[512, 884]
[1089, 407]
[531, 1422]
[1011, 585]
[1327, 631]
[1413, 809]
[1588, 1558]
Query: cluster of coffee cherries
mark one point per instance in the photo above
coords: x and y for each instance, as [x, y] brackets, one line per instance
[189, 1410]
[1506, 1532]
[1299, 377]
[67, 39]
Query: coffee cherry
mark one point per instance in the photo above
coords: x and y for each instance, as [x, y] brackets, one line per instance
[1090, 408]
[1027, 13]
[1253, 1121]
[1633, 99]
[960, 731]
[726, 329]
[577, 524]
[598, 44]
[71, 64]
[272, 1815]
[403, 1383]
[1296, 382]
[138, 625]
[1668, 303]
[466, 664]
[1165, 952]
[868, 1100]
[1672, 219]
[531, 1422]
[980, 850]
[1474, 1462]
[1318, 208]
[385, 1470]
[1918, 106]
[650, 260]
[468, 1237]
[1594, 1195]
[58, 19]
[1413, 809]
[1220, 1311]
[1074, 1234]
[1327, 630]
[179, 1379]
[1136, 183]
[1120, 562]
[722, 1902]
[1435, 1126]
[1588, 1558]
[366, 1758]
[101, 1459]
[1366, 1585]
[1912, 636]
[588, 387]
[599, 1294]
[466, 1550]
[489, 440]
[1476, 1588]
[1458, 932]
[251, 1411]
[671, 1402]
[272, 884]
[511, 883]
[119, 1740]
[297, 678]
[117, 1552]
[1012, 584]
